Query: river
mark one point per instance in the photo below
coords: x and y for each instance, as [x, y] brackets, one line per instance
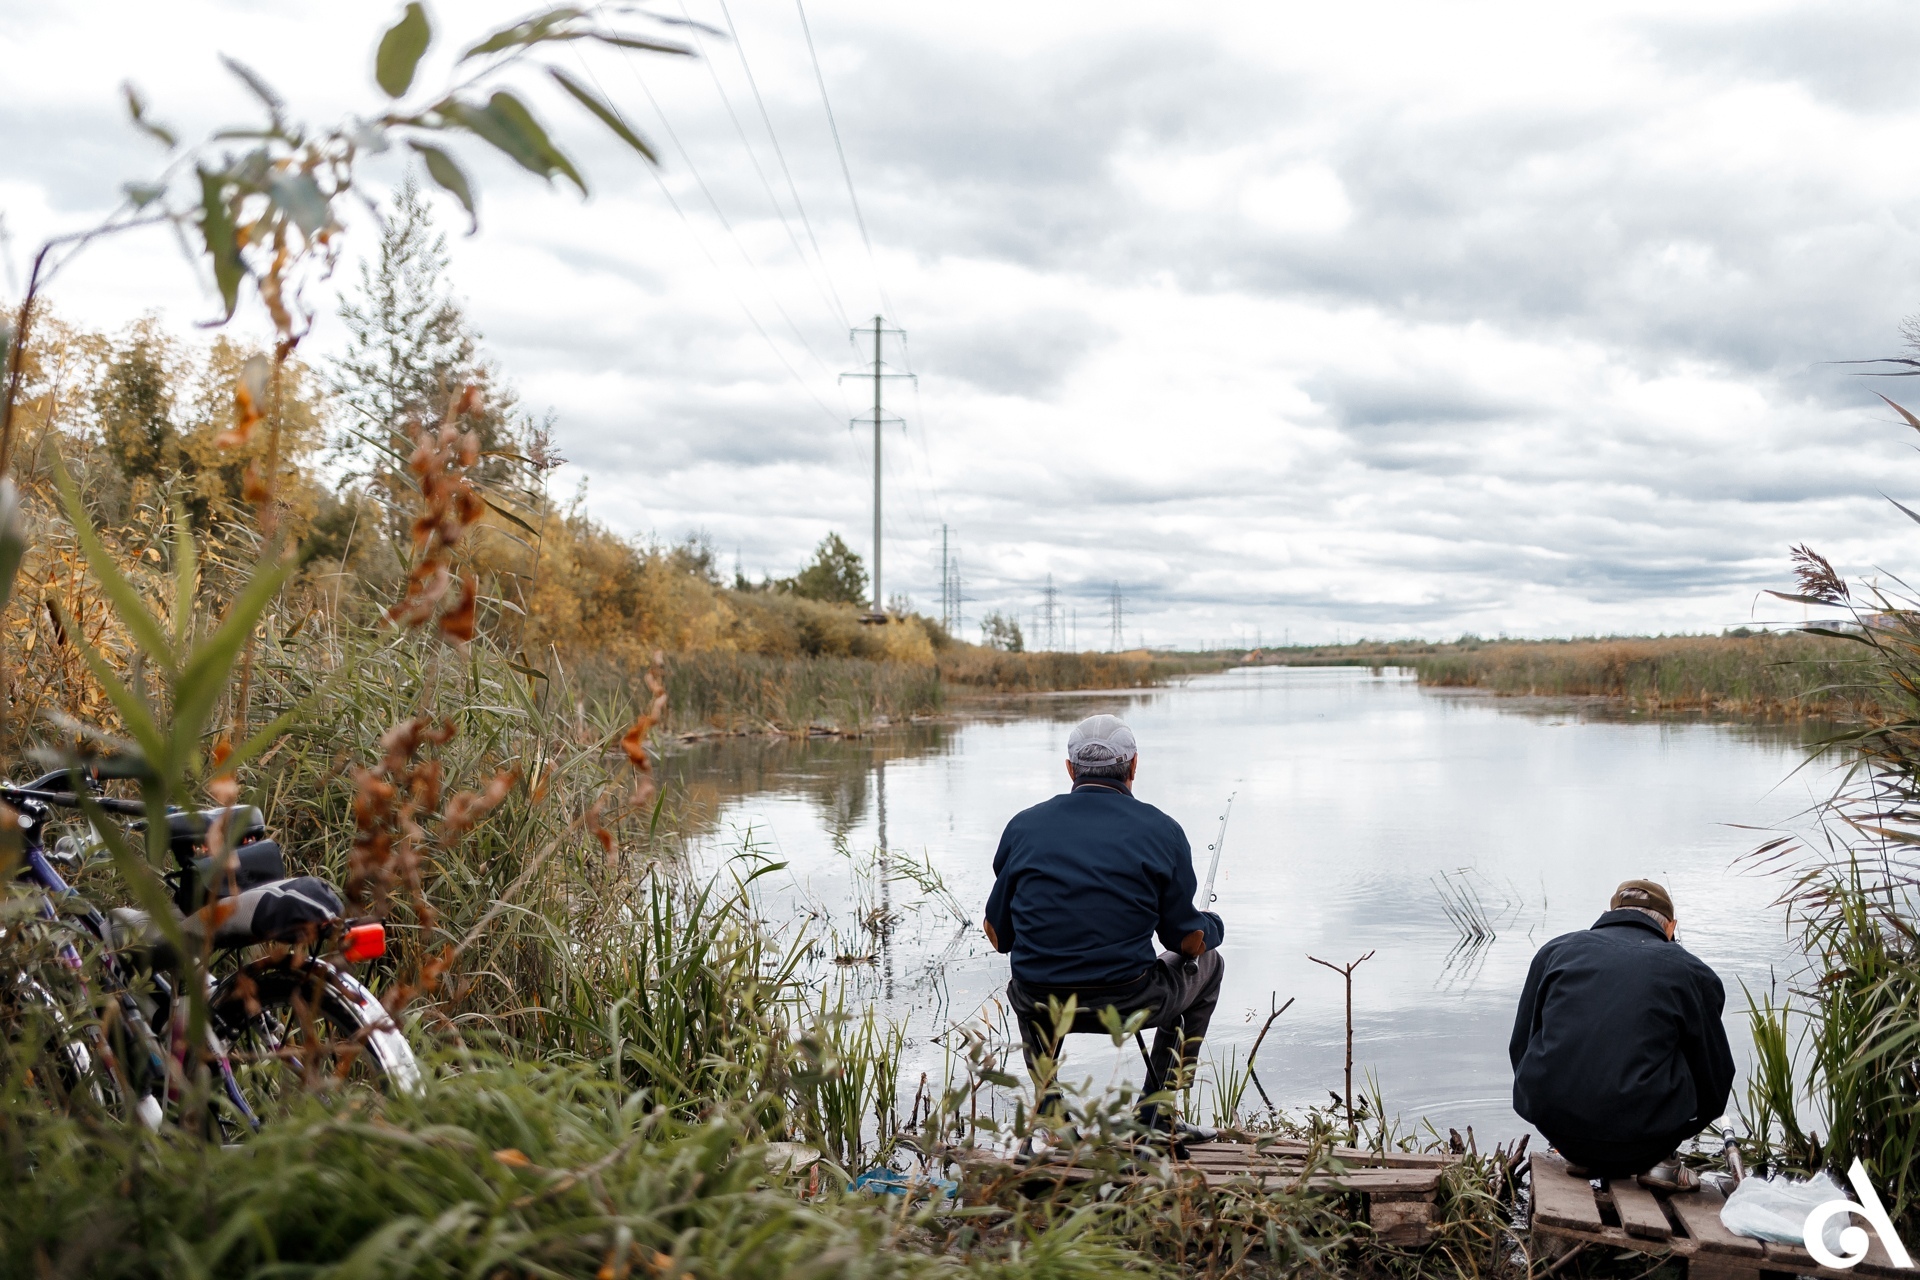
[1361, 802]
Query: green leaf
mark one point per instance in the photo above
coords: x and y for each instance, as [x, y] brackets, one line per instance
[300, 196]
[508, 515]
[608, 116]
[13, 530]
[532, 31]
[1797, 599]
[400, 51]
[137, 109]
[270, 733]
[186, 575]
[216, 224]
[506, 123]
[127, 604]
[635, 42]
[261, 90]
[134, 868]
[204, 676]
[142, 194]
[442, 169]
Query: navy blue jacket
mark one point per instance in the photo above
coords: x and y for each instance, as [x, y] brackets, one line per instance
[1618, 1037]
[1083, 882]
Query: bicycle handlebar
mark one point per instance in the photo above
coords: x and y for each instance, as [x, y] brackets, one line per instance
[67, 800]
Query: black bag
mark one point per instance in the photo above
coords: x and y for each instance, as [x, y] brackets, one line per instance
[282, 911]
[250, 866]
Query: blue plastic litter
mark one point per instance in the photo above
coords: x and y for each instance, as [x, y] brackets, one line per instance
[892, 1182]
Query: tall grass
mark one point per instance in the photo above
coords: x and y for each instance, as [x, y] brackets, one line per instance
[997, 671]
[1856, 896]
[1784, 674]
[749, 693]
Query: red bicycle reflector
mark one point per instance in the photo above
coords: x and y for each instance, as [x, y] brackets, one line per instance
[366, 942]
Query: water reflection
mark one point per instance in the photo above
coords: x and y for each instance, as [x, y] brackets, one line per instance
[1371, 815]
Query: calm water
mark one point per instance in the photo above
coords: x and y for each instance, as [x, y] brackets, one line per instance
[1355, 795]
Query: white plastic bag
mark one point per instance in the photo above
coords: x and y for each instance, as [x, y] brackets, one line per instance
[1777, 1208]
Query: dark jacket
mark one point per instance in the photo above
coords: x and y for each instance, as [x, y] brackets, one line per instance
[1083, 881]
[1618, 1039]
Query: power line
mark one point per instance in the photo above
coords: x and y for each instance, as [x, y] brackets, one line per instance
[834, 128]
[701, 244]
[721, 214]
[786, 172]
[713, 71]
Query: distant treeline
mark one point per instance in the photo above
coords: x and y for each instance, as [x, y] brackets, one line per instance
[1772, 674]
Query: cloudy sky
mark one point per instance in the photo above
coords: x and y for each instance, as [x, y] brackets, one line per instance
[1290, 320]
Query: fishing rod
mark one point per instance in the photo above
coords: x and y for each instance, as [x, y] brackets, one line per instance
[1207, 895]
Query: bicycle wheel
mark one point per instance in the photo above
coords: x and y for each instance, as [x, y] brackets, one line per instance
[112, 1066]
[299, 1027]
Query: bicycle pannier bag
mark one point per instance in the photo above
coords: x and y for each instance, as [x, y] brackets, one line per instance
[283, 911]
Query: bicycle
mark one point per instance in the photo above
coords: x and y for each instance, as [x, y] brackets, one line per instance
[287, 1020]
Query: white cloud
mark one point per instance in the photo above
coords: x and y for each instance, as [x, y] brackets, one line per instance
[1384, 318]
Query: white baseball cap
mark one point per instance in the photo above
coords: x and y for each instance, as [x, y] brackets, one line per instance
[1101, 740]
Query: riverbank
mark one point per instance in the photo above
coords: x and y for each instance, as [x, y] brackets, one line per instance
[713, 693]
[1768, 675]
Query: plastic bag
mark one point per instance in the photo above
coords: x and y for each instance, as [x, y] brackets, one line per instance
[1777, 1208]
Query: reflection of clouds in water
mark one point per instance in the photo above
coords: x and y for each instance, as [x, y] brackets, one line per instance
[1355, 792]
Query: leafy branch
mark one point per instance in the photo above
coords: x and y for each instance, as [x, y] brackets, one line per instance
[270, 215]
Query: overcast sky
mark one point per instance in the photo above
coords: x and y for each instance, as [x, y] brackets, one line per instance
[1291, 320]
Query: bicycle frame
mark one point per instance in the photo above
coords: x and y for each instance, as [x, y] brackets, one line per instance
[35, 803]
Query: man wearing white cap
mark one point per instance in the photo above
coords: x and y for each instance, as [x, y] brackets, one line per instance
[1082, 884]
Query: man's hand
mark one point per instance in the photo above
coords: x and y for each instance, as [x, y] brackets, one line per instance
[1193, 946]
[992, 937]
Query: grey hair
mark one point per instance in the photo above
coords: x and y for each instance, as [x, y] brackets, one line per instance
[1116, 771]
[1651, 914]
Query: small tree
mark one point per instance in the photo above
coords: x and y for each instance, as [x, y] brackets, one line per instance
[410, 351]
[836, 576]
[1001, 631]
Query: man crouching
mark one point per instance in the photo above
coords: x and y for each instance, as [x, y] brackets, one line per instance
[1082, 883]
[1618, 1052]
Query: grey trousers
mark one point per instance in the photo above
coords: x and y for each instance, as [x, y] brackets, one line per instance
[1180, 1008]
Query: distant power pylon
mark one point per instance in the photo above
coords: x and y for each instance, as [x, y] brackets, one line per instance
[879, 375]
[1049, 618]
[949, 586]
[1116, 611]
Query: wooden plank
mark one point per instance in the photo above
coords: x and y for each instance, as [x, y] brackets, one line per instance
[1791, 1257]
[1699, 1214]
[1223, 1152]
[1414, 1181]
[1401, 1222]
[1560, 1199]
[1388, 1184]
[1722, 1266]
[1639, 1212]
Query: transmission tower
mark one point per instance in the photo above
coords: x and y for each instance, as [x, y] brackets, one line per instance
[949, 586]
[1116, 613]
[879, 375]
[1049, 619]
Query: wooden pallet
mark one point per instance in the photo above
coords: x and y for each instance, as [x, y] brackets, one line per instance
[1571, 1212]
[1397, 1190]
